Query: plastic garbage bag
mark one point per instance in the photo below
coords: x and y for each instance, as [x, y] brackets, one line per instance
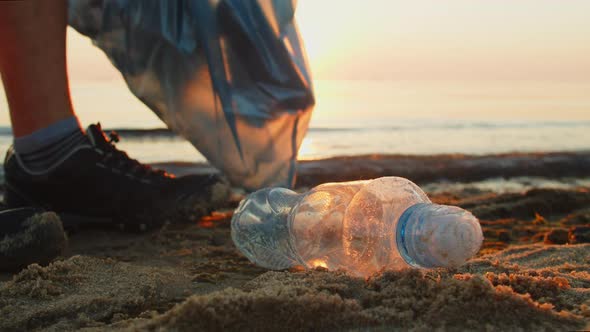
[230, 76]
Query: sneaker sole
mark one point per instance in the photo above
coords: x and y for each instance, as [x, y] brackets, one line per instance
[17, 200]
[190, 209]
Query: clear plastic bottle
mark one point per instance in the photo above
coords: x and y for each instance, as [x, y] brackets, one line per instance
[360, 226]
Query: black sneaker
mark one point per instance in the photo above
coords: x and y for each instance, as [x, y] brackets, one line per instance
[29, 235]
[96, 183]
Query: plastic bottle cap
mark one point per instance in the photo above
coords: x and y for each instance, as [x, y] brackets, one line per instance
[431, 235]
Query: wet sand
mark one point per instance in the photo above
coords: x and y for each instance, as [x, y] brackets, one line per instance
[533, 271]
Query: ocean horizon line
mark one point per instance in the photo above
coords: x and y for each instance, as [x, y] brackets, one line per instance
[413, 125]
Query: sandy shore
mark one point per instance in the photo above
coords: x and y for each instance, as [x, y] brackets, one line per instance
[533, 271]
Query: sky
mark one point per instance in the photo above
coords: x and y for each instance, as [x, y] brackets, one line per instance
[525, 58]
[463, 40]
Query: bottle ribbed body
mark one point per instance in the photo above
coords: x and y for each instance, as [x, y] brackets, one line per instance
[353, 226]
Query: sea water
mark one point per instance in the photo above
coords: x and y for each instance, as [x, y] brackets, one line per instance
[376, 117]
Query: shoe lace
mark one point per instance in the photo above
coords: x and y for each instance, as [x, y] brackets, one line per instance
[121, 161]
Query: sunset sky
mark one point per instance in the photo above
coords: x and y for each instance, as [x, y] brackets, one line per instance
[464, 58]
[541, 40]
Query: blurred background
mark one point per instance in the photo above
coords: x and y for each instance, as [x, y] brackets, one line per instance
[422, 77]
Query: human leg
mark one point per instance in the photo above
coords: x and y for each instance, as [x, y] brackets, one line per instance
[33, 63]
[67, 171]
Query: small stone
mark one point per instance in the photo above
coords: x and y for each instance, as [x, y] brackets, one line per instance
[579, 234]
[297, 268]
[556, 236]
[321, 269]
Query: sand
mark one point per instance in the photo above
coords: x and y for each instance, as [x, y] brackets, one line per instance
[188, 276]
[43, 239]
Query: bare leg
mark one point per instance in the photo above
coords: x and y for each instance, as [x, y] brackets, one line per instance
[33, 63]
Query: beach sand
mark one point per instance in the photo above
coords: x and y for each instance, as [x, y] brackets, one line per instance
[532, 273]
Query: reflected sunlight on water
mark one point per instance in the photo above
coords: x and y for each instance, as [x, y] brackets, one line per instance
[372, 117]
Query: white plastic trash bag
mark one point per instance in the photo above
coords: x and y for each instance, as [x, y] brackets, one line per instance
[231, 76]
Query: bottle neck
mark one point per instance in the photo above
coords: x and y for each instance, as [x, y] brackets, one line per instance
[410, 221]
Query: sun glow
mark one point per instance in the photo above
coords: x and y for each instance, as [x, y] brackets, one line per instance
[440, 40]
[306, 150]
[318, 263]
[320, 37]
